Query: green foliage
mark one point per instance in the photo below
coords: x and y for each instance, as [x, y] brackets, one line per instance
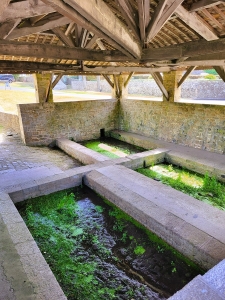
[139, 250]
[210, 77]
[54, 225]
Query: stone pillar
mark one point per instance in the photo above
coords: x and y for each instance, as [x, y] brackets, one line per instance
[119, 91]
[43, 87]
[170, 82]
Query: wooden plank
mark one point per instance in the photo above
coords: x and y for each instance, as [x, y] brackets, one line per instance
[167, 13]
[7, 27]
[196, 23]
[108, 80]
[24, 9]
[56, 80]
[221, 71]
[204, 4]
[185, 76]
[116, 86]
[19, 32]
[61, 35]
[58, 52]
[159, 81]
[96, 17]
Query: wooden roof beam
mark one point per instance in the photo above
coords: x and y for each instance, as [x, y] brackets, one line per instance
[204, 4]
[196, 23]
[144, 17]
[96, 17]
[24, 9]
[56, 80]
[19, 32]
[61, 35]
[7, 27]
[4, 5]
[15, 48]
[124, 9]
[190, 49]
[163, 12]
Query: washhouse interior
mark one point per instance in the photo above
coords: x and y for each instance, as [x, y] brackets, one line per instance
[105, 192]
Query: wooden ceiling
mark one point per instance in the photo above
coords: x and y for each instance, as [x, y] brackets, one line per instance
[111, 36]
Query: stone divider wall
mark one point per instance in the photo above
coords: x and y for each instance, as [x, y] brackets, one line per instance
[41, 124]
[193, 125]
[10, 122]
[193, 88]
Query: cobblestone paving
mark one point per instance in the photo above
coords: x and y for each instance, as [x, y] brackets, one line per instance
[15, 156]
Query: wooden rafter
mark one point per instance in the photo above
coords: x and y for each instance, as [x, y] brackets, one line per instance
[61, 35]
[163, 12]
[214, 20]
[185, 76]
[99, 19]
[19, 32]
[144, 17]
[127, 14]
[92, 42]
[7, 27]
[196, 23]
[204, 4]
[24, 9]
[4, 5]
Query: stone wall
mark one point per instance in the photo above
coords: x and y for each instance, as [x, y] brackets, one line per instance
[192, 89]
[10, 122]
[198, 126]
[82, 120]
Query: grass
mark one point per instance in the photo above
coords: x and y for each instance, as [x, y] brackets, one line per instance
[10, 98]
[206, 188]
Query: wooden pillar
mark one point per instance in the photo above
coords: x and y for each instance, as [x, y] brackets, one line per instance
[170, 82]
[43, 87]
[119, 91]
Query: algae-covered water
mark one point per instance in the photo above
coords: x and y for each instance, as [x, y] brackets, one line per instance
[98, 252]
[204, 188]
[112, 148]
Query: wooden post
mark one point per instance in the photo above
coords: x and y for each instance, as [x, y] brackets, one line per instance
[119, 91]
[43, 87]
[170, 82]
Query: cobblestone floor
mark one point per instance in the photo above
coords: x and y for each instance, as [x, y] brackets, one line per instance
[15, 156]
